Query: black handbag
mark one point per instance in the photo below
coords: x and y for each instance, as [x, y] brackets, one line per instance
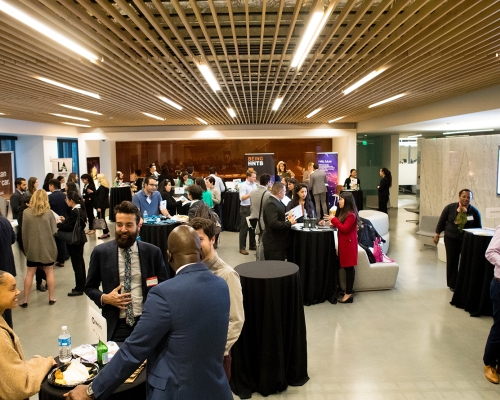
[99, 223]
[77, 236]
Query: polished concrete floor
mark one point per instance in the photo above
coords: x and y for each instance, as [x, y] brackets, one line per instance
[405, 343]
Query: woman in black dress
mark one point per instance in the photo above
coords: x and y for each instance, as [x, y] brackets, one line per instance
[302, 197]
[101, 202]
[383, 189]
[166, 194]
[75, 250]
[88, 194]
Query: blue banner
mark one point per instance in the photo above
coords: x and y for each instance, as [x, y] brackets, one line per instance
[329, 162]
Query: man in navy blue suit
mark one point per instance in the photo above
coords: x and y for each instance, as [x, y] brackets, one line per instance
[57, 201]
[182, 333]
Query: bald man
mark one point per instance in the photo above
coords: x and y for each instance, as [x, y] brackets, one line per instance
[182, 333]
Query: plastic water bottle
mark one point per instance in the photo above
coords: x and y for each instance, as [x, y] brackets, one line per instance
[145, 215]
[64, 345]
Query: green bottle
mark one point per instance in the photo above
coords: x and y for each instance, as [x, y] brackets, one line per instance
[102, 354]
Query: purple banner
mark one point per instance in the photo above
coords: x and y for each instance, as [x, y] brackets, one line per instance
[329, 162]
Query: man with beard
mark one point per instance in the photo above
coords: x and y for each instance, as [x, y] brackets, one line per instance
[127, 270]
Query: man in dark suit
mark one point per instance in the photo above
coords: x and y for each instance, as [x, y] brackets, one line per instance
[57, 201]
[16, 200]
[318, 186]
[127, 270]
[182, 333]
[275, 238]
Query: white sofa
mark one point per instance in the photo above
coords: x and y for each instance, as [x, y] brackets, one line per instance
[380, 222]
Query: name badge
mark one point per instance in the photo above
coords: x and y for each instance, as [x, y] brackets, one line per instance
[470, 218]
[153, 281]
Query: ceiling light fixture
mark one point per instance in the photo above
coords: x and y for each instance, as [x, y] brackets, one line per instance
[81, 109]
[62, 85]
[170, 102]
[313, 113]
[71, 123]
[153, 116]
[70, 117]
[209, 76]
[387, 100]
[277, 103]
[231, 112]
[45, 30]
[364, 80]
[469, 131]
[414, 136]
[317, 21]
[334, 120]
[2, 113]
[202, 121]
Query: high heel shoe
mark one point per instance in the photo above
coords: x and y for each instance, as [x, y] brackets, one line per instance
[349, 300]
[52, 302]
[23, 305]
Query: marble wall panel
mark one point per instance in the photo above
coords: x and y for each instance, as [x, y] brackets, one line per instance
[451, 164]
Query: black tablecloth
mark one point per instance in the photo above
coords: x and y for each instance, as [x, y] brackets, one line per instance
[127, 391]
[116, 196]
[271, 352]
[358, 197]
[231, 211]
[158, 235]
[472, 291]
[314, 253]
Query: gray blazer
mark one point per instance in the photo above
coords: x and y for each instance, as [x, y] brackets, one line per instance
[255, 202]
[318, 180]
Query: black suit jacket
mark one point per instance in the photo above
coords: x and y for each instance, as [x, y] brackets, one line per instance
[57, 201]
[276, 233]
[7, 239]
[103, 270]
[16, 201]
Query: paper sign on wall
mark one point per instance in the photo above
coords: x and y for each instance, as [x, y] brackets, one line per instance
[98, 325]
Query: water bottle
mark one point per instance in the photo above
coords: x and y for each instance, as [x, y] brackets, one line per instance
[64, 345]
[145, 216]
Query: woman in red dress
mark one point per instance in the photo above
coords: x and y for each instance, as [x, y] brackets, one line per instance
[347, 225]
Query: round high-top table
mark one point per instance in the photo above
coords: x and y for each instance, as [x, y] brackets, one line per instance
[472, 290]
[158, 235]
[116, 196]
[313, 250]
[271, 352]
[231, 211]
[358, 197]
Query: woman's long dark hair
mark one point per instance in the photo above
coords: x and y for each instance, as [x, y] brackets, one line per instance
[201, 182]
[181, 178]
[349, 206]
[308, 205]
[48, 177]
[388, 175]
[75, 196]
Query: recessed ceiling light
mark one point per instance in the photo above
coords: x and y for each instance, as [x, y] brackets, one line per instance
[2, 113]
[387, 100]
[202, 121]
[469, 131]
[62, 85]
[277, 103]
[209, 76]
[81, 109]
[364, 80]
[334, 120]
[153, 116]
[231, 112]
[45, 30]
[414, 136]
[313, 113]
[70, 117]
[70, 123]
[170, 102]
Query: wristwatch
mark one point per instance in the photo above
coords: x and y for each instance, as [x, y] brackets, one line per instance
[90, 392]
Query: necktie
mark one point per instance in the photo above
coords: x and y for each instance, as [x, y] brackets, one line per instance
[127, 286]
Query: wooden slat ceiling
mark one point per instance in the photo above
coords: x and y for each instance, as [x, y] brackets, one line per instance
[432, 49]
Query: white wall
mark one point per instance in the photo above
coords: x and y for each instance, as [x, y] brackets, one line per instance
[34, 155]
[346, 147]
